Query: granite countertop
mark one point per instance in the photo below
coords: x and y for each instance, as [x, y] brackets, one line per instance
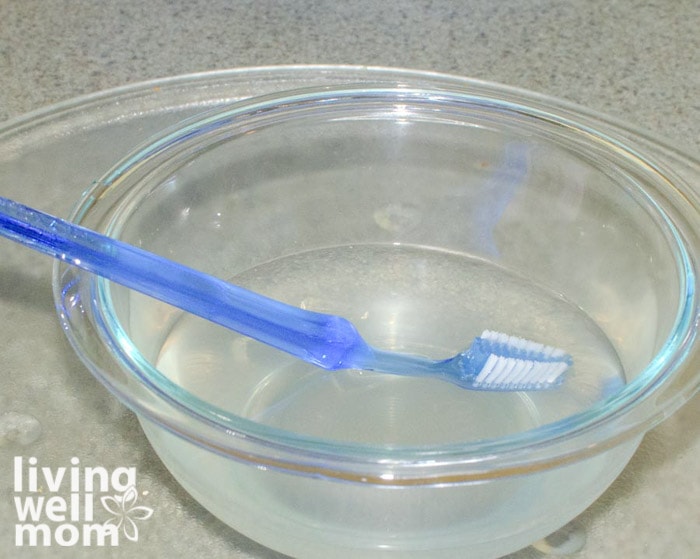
[636, 60]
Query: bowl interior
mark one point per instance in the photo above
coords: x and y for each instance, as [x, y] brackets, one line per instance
[424, 217]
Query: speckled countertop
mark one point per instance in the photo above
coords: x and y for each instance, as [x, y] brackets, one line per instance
[637, 60]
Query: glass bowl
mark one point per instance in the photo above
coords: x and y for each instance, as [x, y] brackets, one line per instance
[425, 212]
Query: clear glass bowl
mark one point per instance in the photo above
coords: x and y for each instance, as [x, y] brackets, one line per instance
[424, 211]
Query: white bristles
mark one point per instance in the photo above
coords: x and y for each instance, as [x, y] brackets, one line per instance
[526, 364]
[523, 373]
[509, 371]
[522, 344]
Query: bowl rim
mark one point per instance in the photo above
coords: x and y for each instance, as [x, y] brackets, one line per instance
[384, 463]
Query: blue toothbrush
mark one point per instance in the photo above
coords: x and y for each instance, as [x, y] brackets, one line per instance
[494, 361]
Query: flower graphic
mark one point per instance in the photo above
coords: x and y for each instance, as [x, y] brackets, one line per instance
[125, 511]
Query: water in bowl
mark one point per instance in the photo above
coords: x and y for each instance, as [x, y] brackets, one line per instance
[404, 298]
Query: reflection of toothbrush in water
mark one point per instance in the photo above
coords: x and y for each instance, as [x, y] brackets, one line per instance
[496, 193]
[493, 361]
[481, 206]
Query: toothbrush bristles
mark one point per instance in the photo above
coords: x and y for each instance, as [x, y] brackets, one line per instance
[502, 362]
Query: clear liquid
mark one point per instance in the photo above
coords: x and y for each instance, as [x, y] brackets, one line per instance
[402, 298]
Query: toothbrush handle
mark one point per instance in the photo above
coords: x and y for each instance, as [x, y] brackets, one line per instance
[325, 340]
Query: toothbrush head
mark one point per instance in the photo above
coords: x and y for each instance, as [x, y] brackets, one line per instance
[497, 361]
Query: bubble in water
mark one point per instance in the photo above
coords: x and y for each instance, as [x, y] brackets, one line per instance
[21, 428]
[397, 218]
